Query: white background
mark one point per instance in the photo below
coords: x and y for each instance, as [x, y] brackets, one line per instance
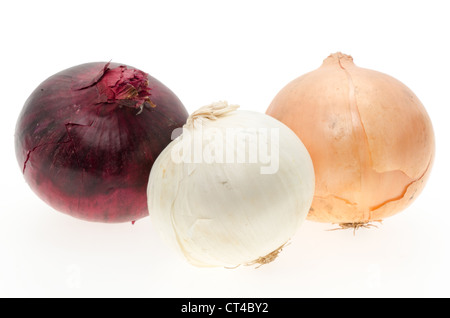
[243, 52]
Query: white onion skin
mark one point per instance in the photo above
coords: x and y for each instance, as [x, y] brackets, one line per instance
[369, 136]
[228, 214]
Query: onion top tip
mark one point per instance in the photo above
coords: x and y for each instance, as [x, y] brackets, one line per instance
[211, 112]
[338, 57]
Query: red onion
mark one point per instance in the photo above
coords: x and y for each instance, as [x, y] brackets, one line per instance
[87, 138]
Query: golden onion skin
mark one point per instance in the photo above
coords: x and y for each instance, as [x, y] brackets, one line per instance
[369, 136]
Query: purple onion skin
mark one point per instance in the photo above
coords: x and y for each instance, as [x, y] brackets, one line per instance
[87, 138]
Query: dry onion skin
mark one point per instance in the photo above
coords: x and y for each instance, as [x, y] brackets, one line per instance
[370, 139]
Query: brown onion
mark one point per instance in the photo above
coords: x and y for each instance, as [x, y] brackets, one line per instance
[370, 139]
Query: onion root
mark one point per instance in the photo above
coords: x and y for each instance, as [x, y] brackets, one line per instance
[269, 258]
[356, 225]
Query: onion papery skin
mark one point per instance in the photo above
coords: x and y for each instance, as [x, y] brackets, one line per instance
[87, 138]
[369, 136]
[224, 212]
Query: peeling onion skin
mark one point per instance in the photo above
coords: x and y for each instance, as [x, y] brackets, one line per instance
[87, 138]
[370, 139]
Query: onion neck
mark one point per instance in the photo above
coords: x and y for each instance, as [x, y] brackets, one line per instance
[210, 112]
[339, 59]
[123, 86]
[127, 87]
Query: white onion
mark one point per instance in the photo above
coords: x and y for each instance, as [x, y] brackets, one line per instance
[222, 201]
